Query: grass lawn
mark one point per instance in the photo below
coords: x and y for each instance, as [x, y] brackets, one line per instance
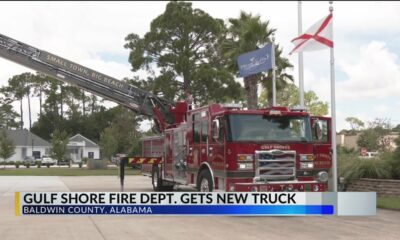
[388, 203]
[64, 172]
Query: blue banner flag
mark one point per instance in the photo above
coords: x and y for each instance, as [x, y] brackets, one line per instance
[255, 61]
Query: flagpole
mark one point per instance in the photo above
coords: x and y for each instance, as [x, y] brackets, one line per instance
[273, 71]
[333, 111]
[301, 74]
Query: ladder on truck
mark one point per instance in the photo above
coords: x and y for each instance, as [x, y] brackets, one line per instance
[136, 99]
[163, 112]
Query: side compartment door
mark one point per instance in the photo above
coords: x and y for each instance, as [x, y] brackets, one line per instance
[168, 162]
[204, 149]
[321, 135]
[194, 144]
[217, 152]
[180, 161]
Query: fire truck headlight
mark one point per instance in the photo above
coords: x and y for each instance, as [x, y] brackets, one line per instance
[245, 166]
[306, 165]
[322, 176]
[245, 157]
[306, 157]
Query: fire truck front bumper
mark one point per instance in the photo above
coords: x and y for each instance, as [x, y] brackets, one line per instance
[284, 186]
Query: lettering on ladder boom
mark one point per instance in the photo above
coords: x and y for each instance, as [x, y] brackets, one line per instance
[80, 70]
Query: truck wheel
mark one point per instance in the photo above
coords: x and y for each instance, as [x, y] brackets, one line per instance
[204, 182]
[156, 179]
[158, 183]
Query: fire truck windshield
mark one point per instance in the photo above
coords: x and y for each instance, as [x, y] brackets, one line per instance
[246, 127]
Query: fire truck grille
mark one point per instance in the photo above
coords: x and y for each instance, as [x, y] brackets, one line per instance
[275, 165]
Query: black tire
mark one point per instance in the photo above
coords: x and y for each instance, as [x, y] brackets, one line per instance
[157, 182]
[205, 178]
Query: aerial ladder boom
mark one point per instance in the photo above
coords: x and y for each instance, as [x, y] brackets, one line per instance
[136, 99]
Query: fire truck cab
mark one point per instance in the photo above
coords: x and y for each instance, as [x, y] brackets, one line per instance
[223, 147]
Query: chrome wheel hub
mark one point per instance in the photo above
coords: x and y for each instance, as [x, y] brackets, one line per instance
[204, 185]
[155, 180]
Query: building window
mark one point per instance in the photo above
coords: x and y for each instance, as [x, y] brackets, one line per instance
[36, 154]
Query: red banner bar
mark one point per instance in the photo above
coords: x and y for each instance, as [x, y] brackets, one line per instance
[144, 160]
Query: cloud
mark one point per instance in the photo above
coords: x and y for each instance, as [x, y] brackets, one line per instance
[111, 68]
[375, 76]
[85, 32]
[381, 108]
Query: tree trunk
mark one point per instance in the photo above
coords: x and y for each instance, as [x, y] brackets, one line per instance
[61, 102]
[40, 102]
[186, 84]
[83, 103]
[22, 114]
[270, 97]
[29, 111]
[250, 86]
[267, 84]
[93, 103]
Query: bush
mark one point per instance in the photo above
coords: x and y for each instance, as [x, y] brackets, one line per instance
[17, 163]
[371, 168]
[344, 150]
[27, 165]
[367, 168]
[394, 164]
[350, 167]
[38, 164]
[85, 160]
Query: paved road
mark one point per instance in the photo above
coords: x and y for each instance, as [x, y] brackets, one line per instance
[386, 225]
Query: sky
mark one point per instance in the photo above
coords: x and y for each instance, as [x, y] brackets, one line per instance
[366, 37]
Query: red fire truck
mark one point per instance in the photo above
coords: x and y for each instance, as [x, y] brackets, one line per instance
[223, 147]
[216, 147]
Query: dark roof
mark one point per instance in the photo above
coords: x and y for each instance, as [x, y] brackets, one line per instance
[80, 138]
[22, 137]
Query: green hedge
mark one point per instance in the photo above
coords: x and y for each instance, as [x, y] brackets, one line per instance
[386, 166]
[7, 163]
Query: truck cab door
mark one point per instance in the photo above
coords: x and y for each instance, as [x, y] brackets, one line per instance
[322, 142]
[179, 156]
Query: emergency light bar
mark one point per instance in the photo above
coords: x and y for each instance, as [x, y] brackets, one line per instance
[231, 105]
[298, 109]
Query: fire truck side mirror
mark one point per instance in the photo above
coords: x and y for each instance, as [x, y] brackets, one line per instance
[317, 130]
[215, 129]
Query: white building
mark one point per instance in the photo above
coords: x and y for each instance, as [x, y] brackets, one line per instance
[80, 147]
[27, 144]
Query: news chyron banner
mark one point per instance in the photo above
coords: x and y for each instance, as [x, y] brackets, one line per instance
[195, 203]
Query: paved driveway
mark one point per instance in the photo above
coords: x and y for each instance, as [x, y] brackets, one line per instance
[386, 225]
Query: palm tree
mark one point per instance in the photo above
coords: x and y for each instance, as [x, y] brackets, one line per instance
[282, 78]
[245, 34]
[39, 86]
